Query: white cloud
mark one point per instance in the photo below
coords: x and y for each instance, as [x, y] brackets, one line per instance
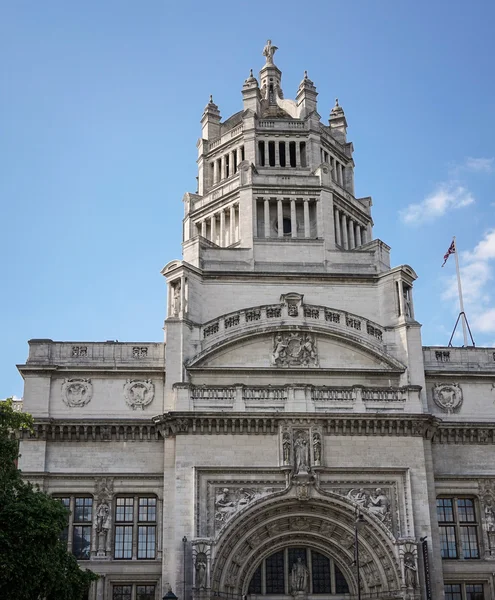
[478, 165]
[446, 197]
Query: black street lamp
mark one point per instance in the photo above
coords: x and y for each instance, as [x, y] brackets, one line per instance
[358, 525]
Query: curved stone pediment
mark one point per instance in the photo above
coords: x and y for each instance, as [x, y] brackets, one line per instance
[296, 347]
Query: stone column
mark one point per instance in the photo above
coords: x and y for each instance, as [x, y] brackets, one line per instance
[215, 171]
[280, 218]
[239, 157]
[276, 143]
[338, 239]
[358, 235]
[203, 228]
[307, 224]
[213, 228]
[298, 155]
[231, 163]
[222, 228]
[267, 218]
[293, 223]
[363, 236]
[287, 154]
[352, 241]
[232, 224]
[345, 242]
[400, 291]
[340, 176]
[225, 166]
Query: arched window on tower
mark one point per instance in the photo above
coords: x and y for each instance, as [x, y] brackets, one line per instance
[298, 569]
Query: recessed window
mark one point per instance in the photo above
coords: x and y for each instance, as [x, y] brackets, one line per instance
[77, 533]
[298, 569]
[458, 526]
[135, 519]
[464, 591]
[133, 591]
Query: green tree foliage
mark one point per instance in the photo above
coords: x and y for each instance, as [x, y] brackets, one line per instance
[34, 562]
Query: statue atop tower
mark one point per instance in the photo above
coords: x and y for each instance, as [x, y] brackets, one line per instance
[269, 51]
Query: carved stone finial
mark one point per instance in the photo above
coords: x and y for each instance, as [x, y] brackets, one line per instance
[305, 74]
[211, 99]
[269, 51]
[336, 102]
[250, 72]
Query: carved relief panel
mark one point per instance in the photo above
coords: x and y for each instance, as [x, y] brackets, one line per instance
[294, 349]
[301, 448]
[448, 397]
[139, 393]
[77, 392]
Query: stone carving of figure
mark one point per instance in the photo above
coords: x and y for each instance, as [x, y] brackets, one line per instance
[309, 349]
[299, 576]
[269, 51]
[224, 506]
[489, 518]
[279, 351]
[200, 567]
[286, 447]
[410, 571]
[379, 504]
[301, 452]
[176, 299]
[317, 447]
[103, 517]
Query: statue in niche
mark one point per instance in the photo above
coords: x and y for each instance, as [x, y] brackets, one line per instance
[286, 447]
[269, 51]
[200, 567]
[301, 453]
[317, 447]
[176, 301]
[103, 517]
[299, 576]
[410, 571]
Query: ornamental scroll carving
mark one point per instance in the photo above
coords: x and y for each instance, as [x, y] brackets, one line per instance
[448, 396]
[77, 392]
[294, 349]
[139, 393]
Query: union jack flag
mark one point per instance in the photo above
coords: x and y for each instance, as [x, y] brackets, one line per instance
[450, 251]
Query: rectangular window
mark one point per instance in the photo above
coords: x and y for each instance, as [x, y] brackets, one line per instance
[147, 509]
[134, 592]
[458, 526]
[146, 541]
[274, 568]
[261, 153]
[281, 153]
[145, 592]
[292, 154]
[464, 591]
[135, 521]
[123, 541]
[122, 592]
[124, 510]
[271, 154]
[77, 534]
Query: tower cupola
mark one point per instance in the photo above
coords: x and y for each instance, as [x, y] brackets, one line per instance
[306, 97]
[210, 121]
[338, 123]
[251, 94]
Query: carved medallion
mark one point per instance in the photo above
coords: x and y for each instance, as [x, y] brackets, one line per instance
[448, 396]
[294, 349]
[77, 392]
[139, 393]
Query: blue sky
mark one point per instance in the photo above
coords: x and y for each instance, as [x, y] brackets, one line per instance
[100, 105]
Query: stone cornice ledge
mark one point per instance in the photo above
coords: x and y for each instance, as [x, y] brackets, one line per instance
[175, 423]
[92, 430]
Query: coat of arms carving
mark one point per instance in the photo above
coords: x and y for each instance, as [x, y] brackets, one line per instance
[294, 349]
[77, 392]
[139, 393]
[448, 396]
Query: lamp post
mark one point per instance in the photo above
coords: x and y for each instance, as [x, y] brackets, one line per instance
[184, 548]
[358, 524]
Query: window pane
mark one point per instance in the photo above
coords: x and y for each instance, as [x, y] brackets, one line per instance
[274, 572]
[83, 510]
[124, 510]
[145, 592]
[452, 591]
[255, 583]
[146, 541]
[469, 542]
[147, 509]
[465, 509]
[445, 512]
[64, 534]
[123, 541]
[474, 591]
[341, 586]
[122, 592]
[321, 573]
[81, 543]
[448, 546]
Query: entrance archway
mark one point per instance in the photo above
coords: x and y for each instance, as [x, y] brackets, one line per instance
[324, 524]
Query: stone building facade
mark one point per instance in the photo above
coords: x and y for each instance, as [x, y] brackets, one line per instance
[292, 419]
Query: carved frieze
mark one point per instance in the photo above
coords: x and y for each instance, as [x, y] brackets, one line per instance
[376, 500]
[229, 501]
[294, 349]
[77, 392]
[448, 396]
[139, 393]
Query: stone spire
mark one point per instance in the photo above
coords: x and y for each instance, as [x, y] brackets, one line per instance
[251, 94]
[306, 96]
[210, 121]
[338, 123]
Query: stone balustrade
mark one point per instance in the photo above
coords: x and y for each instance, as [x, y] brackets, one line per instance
[281, 124]
[294, 398]
[465, 360]
[276, 314]
[137, 355]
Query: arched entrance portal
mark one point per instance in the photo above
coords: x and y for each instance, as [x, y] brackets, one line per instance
[319, 529]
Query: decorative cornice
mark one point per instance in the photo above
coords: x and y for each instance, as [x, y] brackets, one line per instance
[176, 423]
[465, 433]
[92, 431]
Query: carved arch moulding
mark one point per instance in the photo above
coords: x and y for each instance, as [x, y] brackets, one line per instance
[326, 524]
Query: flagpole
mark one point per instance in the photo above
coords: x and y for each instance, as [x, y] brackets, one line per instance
[461, 303]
